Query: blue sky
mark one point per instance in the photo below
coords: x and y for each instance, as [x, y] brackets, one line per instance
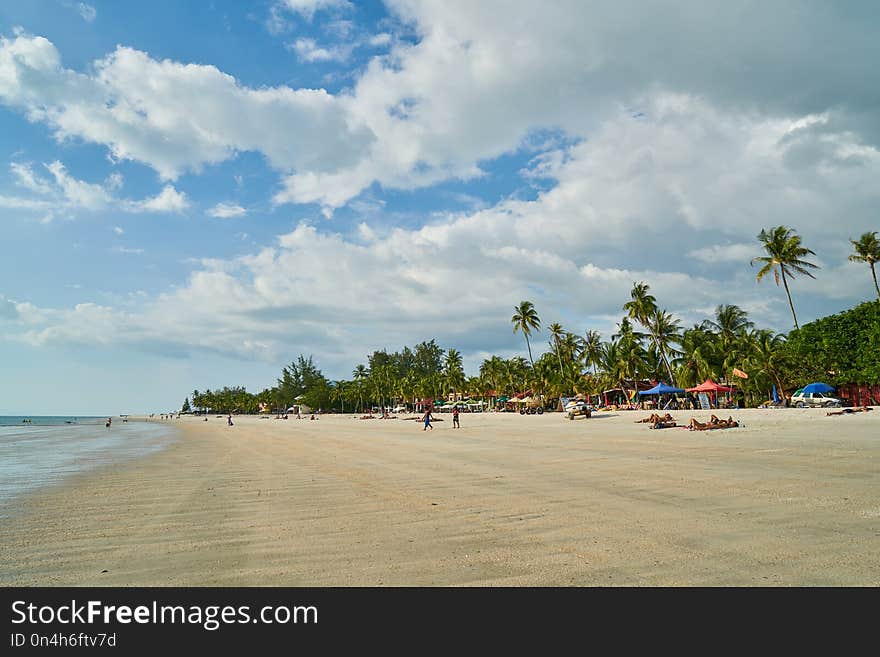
[194, 193]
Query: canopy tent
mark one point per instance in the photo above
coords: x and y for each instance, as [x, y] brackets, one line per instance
[660, 389]
[516, 400]
[710, 386]
[818, 387]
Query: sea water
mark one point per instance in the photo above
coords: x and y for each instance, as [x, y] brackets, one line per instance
[47, 450]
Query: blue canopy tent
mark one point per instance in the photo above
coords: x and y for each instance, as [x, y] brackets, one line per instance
[818, 387]
[660, 389]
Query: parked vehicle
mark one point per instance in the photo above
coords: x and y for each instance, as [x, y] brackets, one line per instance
[802, 399]
[576, 408]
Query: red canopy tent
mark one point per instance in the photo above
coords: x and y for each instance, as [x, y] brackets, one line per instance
[710, 386]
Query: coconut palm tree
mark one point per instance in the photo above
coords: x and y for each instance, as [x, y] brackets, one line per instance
[525, 318]
[867, 249]
[665, 329]
[642, 307]
[592, 349]
[557, 333]
[730, 323]
[453, 372]
[785, 257]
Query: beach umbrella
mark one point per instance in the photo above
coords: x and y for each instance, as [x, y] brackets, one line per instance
[818, 387]
[775, 395]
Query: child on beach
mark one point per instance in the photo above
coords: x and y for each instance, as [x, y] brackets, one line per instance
[427, 420]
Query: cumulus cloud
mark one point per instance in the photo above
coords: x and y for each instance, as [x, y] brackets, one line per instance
[169, 200]
[227, 210]
[479, 79]
[651, 193]
[175, 117]
[308, 50]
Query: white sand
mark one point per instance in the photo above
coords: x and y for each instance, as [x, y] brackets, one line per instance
[793, 498]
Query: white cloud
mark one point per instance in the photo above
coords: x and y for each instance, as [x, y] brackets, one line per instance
[65, 193]
[26, 178]
[87, 12]
[308, 8]
[309, 51]
[379, 40]
[480, 79]
[679, 192]
[118, 230]
[175, 117]
[227, 210]
[169, 200]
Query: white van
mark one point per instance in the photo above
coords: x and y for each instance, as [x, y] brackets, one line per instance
[803, 399]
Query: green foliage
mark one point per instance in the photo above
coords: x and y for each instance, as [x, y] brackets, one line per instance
[838, 349]
[185, 408]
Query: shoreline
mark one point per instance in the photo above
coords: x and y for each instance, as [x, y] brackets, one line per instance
[507, 500]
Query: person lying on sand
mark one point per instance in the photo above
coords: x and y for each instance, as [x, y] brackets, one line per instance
[847, 411]
[713, 423]
[653, 418]
[663, 424]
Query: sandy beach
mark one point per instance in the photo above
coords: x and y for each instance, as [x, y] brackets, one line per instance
[791, 498]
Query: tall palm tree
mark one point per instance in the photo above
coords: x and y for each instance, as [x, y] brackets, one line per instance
[557, 333]
[785, 257]
[665, 329]
[642, 307]
[867, 249]
[730, 323]
[453, 372]
[592, 349]
[525, 318]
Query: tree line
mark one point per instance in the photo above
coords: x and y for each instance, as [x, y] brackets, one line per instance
[649, 344]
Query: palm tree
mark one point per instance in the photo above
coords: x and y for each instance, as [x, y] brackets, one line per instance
[525, 318]
[867, 249]
[557, 333]
[665, 329]
[730, 323]
[453, 371]
[785, 256]
[592, 349]
[642, 307]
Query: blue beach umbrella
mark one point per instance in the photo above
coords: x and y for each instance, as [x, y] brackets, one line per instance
[818, 387]
[775, 395]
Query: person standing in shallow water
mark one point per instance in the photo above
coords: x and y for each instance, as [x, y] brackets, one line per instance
[455, 422]
[426, 418]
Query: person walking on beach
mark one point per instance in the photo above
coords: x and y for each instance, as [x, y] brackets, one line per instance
[426, 418]
[229, 420]
[455, 423]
